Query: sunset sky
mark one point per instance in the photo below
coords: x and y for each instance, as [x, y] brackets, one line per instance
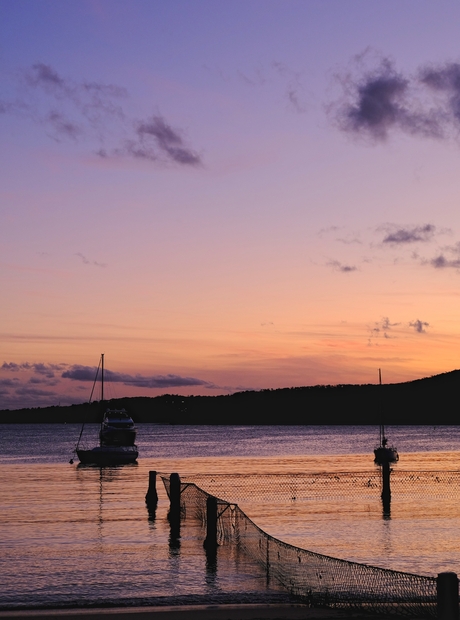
[227, 195]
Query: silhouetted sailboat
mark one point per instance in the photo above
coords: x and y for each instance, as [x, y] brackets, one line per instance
[384, 453]
[116, 436]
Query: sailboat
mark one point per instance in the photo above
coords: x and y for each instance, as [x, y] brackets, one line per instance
[384, 453]
[116, 436]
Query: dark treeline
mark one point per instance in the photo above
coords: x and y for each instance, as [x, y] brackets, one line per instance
[425, 401]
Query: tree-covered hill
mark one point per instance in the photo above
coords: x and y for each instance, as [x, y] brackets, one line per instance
[431, 400]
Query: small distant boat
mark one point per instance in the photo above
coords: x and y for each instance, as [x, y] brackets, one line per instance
[384, 453]
[117, 429]
[116, 436]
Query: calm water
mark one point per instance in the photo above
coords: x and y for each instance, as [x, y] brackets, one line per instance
[75, 535]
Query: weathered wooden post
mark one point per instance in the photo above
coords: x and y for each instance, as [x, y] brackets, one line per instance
[174, 511]
[151, 498]
[386, 489]
[210, 542]
[174, 497]
[447, 596]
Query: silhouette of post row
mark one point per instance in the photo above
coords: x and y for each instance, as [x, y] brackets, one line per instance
[447, 583]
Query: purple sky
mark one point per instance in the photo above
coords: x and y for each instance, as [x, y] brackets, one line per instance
[227, 195]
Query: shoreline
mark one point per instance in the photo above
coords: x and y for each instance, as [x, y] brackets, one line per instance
[195, 612]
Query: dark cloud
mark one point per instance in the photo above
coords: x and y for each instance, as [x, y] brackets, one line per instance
[87, 373]
[156, 136]
[419, 326]
[445, 79]
[9, 382]
[381, 99]
[410, 235]
[47, 370]
[378, 103]
[338, 266]
[440, 262]
[44, 75]
[452, 260]
[91, 111]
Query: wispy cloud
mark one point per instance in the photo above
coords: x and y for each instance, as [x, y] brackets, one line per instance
[87, 373]
[156, 140]
[88, 112]
[449, 257]
[342, 267]
[384, 328]
[404, 235]
[86, 261]
[405, 242]
[419, 326]
[25, 384]
[381, 328]
[47, 370]
[276, 73]
[293, 86]
[444, 79]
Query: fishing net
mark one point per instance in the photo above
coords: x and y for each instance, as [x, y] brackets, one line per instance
[316, 579]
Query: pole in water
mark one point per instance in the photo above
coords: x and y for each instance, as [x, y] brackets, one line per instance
[174, 511]
[174, 498]
[386, 490]
[447, 596]
[151, 498]
[210, 542]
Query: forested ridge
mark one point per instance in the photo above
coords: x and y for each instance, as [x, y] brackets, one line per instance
[433, 400]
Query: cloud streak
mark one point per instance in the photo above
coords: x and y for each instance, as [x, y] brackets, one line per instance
[91, 112]
[87, 373]
[157, 140]
[419, 326]
[27, 384]
[406, 235]
[343, 268]
[451, 261]
[86, 261]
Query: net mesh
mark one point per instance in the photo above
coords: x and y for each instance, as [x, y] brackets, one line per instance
[318, 580]
[289, 487]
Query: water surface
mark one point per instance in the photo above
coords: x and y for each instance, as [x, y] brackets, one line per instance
[74, 535]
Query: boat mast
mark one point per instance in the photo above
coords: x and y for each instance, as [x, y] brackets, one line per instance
[382, 428]
[102, 398]
[102, 377]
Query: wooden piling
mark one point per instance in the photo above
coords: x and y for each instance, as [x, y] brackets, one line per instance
[447, 596]
[210, 542]
[174, 498]
[151, 498]
[386, 489]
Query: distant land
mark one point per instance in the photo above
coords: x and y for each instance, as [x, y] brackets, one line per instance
[433, 400]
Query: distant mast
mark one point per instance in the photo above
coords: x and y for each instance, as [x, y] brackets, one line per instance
[384, 454]
[102, 377]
